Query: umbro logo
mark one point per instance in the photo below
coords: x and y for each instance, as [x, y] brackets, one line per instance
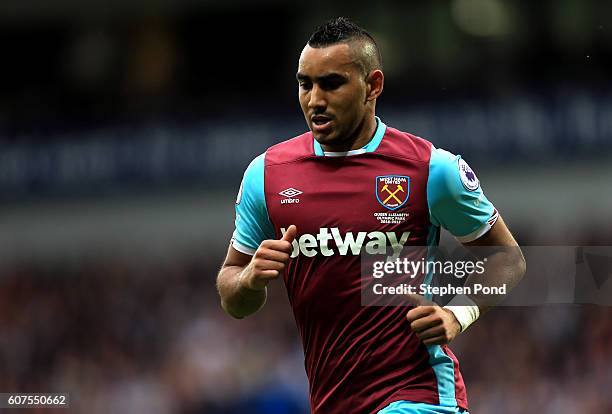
[290, 194]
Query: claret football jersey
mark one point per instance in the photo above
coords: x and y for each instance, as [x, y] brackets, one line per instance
[397, 191]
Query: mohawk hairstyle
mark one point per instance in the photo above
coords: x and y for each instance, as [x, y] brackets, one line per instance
[343, 30]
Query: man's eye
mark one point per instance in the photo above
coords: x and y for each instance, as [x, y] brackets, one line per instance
[332, 84]
[305, 85]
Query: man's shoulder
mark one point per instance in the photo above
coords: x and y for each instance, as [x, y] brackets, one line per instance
[290, 150]
[405, 144]
[285, 151]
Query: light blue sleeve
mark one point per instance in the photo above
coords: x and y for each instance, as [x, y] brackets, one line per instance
[456, 200]
[252, 222]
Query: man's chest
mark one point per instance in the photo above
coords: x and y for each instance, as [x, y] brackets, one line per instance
[344, 206]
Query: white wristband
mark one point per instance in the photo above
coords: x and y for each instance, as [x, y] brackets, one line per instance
[464, 309]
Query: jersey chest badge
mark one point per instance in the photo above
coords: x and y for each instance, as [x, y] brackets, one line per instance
[392, 191]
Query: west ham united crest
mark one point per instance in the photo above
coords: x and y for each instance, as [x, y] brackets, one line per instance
[392, 190]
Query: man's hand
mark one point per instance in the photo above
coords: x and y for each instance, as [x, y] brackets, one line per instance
[431, 323]
[242, 280]
[268, 261]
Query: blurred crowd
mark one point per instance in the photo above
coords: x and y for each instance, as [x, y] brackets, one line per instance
[131, 335]
[128, 337]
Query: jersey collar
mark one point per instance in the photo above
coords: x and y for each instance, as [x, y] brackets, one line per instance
[369, 147]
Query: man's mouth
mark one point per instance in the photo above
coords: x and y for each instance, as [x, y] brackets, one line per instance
[320, 119]
[321, 123]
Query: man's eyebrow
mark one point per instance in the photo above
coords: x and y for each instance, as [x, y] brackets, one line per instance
[329, 77]
[332, 77]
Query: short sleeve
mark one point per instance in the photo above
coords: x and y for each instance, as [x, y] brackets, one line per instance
[252, 222]
[456, 200]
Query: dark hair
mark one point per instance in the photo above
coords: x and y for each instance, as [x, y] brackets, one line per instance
[343, 30]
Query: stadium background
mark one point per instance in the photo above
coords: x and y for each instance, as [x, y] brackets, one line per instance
[124, 131]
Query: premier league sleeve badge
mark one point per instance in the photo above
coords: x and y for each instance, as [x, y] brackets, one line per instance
[468, 177]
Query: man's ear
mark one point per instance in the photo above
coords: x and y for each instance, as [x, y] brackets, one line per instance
[375, 82]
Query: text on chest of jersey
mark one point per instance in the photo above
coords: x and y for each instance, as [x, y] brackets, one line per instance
[351, 243]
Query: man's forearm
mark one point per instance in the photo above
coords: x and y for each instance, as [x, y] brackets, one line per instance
[504, 267]
[236, 299]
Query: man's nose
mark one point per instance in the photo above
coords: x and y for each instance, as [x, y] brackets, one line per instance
[317, 98]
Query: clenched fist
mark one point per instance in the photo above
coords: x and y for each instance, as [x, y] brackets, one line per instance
[432, 324]
[268, 261]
